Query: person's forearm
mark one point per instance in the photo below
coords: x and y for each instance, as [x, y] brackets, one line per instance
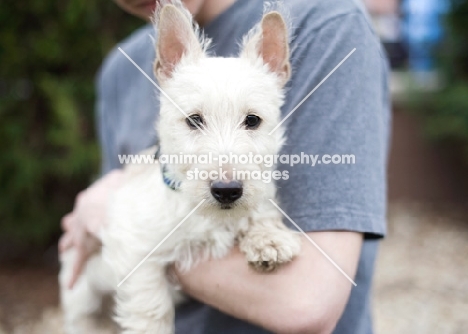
[304, 296]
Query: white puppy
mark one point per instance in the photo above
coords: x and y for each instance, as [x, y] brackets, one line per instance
[232, 105]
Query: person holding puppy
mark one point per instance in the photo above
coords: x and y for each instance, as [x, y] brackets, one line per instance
[341, 207]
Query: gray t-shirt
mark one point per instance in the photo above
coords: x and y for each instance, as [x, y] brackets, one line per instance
[348, 114]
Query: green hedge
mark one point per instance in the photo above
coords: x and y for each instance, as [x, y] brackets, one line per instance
[49, 54]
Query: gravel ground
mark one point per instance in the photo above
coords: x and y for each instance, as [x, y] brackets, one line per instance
[421, 284]
[422, 274]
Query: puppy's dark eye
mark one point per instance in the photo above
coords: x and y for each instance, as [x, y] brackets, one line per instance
[252, 122]
[194, 121]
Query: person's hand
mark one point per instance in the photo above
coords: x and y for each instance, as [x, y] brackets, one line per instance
[82, 226]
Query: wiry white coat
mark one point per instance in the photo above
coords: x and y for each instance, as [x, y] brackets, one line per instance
[144, 210]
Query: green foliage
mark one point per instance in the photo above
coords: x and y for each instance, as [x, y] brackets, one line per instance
[49, 54]
[446, 111]
[454, 57]
[447, 118]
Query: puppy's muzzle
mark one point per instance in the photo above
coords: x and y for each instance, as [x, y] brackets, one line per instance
[226, 192]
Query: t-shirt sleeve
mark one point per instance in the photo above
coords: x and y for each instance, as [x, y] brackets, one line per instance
[106, 114]
[347, 116]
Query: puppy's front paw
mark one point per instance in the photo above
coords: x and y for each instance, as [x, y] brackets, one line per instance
[266, 250]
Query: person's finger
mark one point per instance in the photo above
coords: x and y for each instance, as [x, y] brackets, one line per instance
[66, 222]
[65, 242]
[79, 198]
[80, 261]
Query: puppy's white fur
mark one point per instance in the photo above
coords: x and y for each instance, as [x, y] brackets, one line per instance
[144, 210]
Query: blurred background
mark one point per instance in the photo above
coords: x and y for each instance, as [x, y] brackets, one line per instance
[49, 54]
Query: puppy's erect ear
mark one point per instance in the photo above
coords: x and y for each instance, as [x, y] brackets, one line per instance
[176, 40]
[269, 41]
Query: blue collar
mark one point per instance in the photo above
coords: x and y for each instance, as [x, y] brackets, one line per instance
[168, 181]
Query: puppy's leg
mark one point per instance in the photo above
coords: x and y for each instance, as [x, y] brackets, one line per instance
[267, 242]
[84, 299]
[144, 302]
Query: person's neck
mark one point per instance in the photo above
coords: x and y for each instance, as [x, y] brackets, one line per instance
[211, 9]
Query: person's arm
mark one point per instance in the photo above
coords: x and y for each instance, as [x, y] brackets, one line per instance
[83, 225]
[307, 295]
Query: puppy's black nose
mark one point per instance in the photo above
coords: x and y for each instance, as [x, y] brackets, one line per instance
[226, 192]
